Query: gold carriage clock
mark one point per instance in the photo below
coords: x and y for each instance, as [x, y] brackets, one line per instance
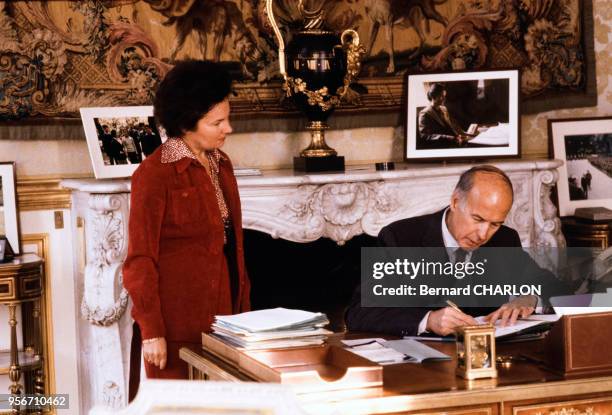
[318, 67]
[476, 352]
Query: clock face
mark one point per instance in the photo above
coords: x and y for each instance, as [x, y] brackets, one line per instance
[480, 353]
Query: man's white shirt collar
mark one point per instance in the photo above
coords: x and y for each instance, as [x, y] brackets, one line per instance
[450, 243]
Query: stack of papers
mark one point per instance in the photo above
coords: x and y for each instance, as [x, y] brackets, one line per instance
[272, 329]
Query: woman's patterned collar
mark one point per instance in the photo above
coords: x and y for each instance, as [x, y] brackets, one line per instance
[175, 149]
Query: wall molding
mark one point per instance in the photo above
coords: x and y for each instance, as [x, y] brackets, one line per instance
[43, 193]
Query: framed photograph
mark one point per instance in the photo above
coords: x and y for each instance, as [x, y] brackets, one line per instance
[9, 219]
[465, 115]
[585, 146]
[119, 138]
[6, 251]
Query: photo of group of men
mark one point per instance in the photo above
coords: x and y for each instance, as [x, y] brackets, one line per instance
[589, 166]
[127, 140]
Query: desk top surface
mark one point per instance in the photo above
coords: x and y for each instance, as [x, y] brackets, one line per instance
[440, 376]
[434, 384]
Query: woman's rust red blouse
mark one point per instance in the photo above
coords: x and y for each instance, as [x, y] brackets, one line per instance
[176, 272]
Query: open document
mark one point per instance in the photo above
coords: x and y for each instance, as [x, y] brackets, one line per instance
[388, 352]
[522, 326]
[536, 323]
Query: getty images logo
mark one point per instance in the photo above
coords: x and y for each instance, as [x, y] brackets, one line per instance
[414, 269]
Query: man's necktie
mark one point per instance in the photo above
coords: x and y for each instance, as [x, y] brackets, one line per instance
[463, 279]
[460, 255]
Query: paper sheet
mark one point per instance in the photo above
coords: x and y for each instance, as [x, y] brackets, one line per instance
[418, 351]
[582, 303]
[498, 135]
[246, 172]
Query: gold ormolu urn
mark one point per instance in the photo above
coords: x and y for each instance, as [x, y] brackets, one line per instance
[318, 67]
[476, 352]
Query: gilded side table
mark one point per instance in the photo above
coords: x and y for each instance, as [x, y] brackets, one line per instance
[21, 284]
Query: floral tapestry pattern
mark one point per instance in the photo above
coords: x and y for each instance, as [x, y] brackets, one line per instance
[58, 56]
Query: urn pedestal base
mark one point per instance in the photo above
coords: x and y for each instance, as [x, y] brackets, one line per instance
[318, 164]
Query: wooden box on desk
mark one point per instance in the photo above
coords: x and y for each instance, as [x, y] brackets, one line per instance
[312, 369]
[305, 369]
[581, 344]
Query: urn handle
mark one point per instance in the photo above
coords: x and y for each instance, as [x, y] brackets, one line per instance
[279, 38]
[354, 52]
[354, 37]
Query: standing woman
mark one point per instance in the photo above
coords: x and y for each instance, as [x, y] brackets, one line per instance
[185, 260]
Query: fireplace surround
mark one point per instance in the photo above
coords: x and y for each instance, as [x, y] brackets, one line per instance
[347, 209]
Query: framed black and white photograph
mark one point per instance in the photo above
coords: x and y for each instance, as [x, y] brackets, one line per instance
[585, 146]
[9, 219]
[462, 115]
[119, 138]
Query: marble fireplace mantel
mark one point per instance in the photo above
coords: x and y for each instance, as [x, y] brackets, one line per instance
[293, 206]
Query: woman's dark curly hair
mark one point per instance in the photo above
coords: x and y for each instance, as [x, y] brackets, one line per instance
[188, 92]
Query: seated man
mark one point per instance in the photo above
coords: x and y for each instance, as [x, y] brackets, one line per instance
[478, 207]
[437, 129]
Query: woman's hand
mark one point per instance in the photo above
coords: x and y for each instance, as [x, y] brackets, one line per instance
[155, 351]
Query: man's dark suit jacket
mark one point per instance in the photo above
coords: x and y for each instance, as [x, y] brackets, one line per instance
[423, 231]
[149, 143]
[435, 131]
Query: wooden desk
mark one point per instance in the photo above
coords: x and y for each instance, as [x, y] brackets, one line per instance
[433, 388]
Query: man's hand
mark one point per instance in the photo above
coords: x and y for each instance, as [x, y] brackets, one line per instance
[155, 352]
[522, 306]
[446, 320]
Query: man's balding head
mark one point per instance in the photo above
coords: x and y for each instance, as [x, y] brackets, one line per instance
[479, 205]
[487, 172]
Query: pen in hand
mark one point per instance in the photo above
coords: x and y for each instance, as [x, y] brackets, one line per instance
[456, 308]
[453, 305]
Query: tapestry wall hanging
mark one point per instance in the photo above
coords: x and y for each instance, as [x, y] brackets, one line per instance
[58, 56]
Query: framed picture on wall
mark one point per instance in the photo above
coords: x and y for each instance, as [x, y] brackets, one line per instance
[585, 146]
[119, 138]
[9, 219]
[466, 115]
